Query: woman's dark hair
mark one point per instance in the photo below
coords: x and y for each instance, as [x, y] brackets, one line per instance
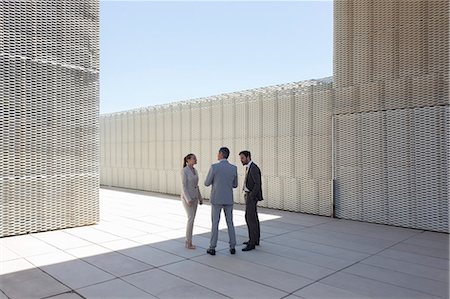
[186, 159]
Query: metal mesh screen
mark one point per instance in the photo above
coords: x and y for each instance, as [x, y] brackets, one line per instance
[392, 167]
[48, 114]
[382, 40]
[391, 112]
[390, 103]
[264, 121]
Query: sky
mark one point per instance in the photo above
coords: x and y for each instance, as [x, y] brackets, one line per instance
[155, 52]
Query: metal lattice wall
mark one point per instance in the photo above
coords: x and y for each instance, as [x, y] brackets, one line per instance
[393, 167]
[390, 102]
[391, 79]
[385, 40]
[287, 128]
[49, 65]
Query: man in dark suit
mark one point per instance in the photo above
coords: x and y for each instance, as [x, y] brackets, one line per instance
[253, 194]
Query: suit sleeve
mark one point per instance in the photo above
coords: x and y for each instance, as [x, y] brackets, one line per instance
[256, 175]
[184, 182]
[235, 180]
[209, 177]
[198, 189]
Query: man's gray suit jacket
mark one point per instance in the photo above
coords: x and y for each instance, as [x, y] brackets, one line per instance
[223, 178]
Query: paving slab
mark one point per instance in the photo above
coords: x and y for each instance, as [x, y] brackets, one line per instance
[137, 251]
[222, 282]
[165, 285]
[116, 289]
[33, 283]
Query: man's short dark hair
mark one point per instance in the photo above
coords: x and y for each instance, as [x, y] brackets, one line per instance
[247, 154]
[225, 152]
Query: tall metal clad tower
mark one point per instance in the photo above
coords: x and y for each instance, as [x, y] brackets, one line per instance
[49, 98]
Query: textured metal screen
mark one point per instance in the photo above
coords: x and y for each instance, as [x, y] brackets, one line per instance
[391, 79]
[49, 64]
[287, 128]
[389, 100]
[392, 167]
[380, 40]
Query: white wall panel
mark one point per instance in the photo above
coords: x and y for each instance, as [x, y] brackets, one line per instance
[206, 120]
[229, 118]
[240, 121]
[302, 157]
[285, 165]
[242, 118]
[186, 122]
[49, 126]
[291, 194]
[303, 113]
[286, 113]
[275, 193]
[195, 121]
[269, 114]
[396, 169]
[390, 103]
[309, 194]
[176, 123]
[217, 119]
[269, 156]
[254, 117]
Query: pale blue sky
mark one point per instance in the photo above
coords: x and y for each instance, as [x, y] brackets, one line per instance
[160, 52]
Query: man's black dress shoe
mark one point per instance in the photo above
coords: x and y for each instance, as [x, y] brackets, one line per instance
[246, 243]
[211, 251]
[248, 248]
[232, 250]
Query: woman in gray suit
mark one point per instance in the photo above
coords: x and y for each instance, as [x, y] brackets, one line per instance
[190, 194]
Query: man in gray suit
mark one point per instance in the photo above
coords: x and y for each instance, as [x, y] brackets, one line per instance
[223, 178]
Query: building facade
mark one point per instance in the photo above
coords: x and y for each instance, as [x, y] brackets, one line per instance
[391, 112]
[287, 128]
[49, 69]
[373, 146]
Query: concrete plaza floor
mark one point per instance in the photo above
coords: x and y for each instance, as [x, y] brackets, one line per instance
[136, 251]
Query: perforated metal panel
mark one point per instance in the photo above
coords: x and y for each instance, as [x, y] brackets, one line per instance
[391, 109]
[384, 39]
[241, 119]
[217, 119]
[390, 58]
[392, 167]
[229, 119]
[254, 116]
[49, 150]
[282, 126]
[176, 125]
[274, 192]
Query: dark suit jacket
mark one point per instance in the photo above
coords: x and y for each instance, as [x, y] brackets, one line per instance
[253, 182]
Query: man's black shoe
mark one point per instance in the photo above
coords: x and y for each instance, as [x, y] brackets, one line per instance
[246, 243]
[232, 250]
[211, 251]
[248, 248]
